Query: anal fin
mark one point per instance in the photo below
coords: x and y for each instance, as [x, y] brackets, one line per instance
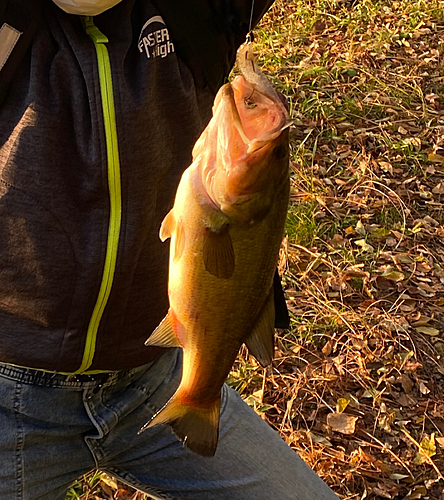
[163, 335]
[260, 343]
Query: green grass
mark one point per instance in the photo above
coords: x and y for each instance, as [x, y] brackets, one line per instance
[85, 486]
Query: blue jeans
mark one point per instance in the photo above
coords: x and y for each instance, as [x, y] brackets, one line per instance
[54, 428]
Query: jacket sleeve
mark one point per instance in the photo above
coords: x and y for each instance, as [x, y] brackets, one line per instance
[243, 11]
[236, 16]
[207, 33]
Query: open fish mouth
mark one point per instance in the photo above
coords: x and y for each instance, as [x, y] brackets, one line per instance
[257, 117]
[244, 137]
[242, 141]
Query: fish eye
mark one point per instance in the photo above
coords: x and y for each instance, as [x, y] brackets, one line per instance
[279, 153]
[249, 103]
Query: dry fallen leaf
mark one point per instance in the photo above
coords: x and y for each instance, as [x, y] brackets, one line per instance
[108, 480]
[407, 383]
[340, 422]
[436, 158]
[428, 449]
[427, 330]
[319, 439]
[438, 189]
[392, 275]
[423, 388]
[341, 404]
[364, 245]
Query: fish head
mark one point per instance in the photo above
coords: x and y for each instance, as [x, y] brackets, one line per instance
[244, 151]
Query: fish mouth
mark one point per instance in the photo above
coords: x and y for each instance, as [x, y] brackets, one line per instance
[236, 154]
[257, 117]
[228, 99]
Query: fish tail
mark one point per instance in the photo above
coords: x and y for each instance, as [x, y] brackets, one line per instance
[196, 426]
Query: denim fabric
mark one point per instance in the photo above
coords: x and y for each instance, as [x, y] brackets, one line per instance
[55, 428]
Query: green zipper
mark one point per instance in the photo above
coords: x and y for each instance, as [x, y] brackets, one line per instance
[106, 90]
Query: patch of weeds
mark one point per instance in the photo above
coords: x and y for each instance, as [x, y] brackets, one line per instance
[86, 485]
[388, 217]
[349, 221]
[243, 375]
[302, 228]
[315, 330]
[357, 284]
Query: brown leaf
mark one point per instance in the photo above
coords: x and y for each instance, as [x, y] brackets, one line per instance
[381, 493]
[407, 383]
[337, 241]
[328, 348]
[319, 26]
[427, 330]
[340, 422]
[125, 494]
[438, 189]
[391, 242]
[423, 388]
[436, 158]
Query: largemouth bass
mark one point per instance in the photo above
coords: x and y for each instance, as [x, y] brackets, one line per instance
[226, 228]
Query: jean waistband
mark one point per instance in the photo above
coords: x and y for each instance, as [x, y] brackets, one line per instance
[53, 379]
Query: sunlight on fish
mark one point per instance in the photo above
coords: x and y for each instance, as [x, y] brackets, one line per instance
[225, 230]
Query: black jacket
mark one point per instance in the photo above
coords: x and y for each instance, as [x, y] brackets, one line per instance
[94, 136]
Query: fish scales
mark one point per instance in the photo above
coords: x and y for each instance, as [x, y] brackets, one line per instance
[217, 314]
[226, 227]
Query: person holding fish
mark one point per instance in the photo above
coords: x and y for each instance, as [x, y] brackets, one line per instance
[114, 346]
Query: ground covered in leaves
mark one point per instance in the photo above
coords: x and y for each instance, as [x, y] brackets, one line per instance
[358, 382]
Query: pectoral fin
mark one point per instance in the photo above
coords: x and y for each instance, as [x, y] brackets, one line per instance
[218, 253]
[261, 341]
[168, 226]
[163, 335]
